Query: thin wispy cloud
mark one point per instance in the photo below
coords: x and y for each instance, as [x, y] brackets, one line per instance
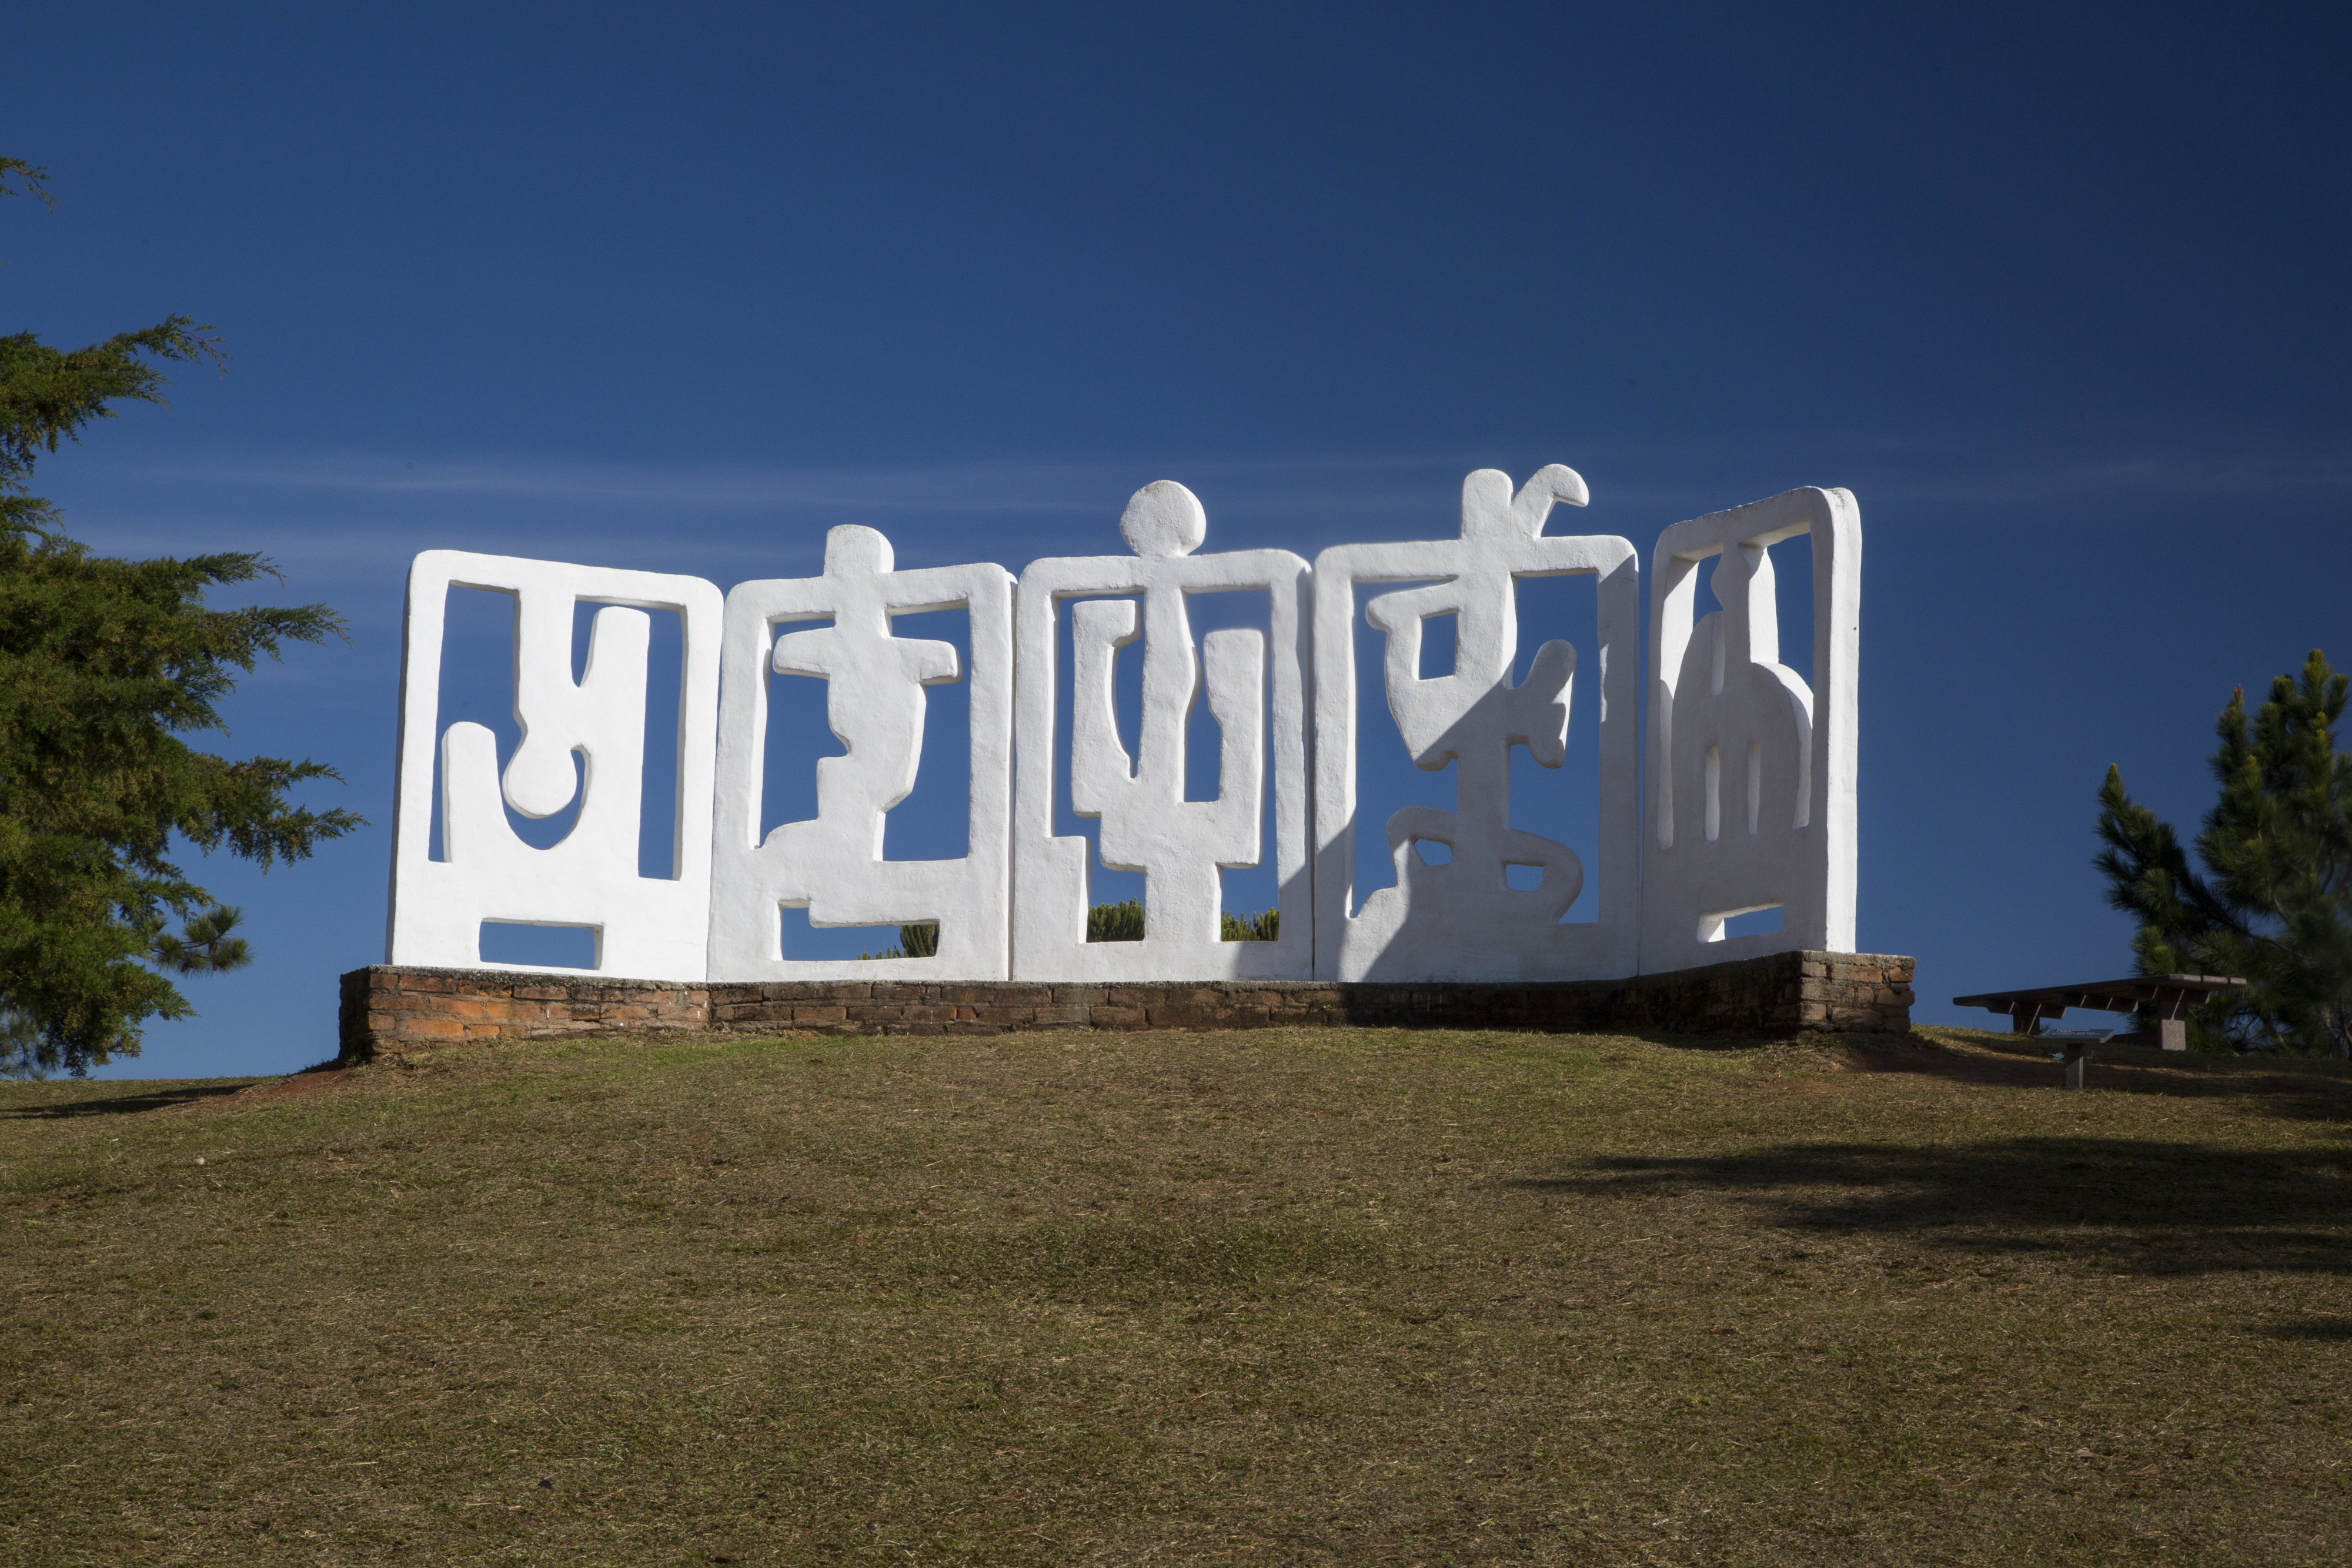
[1334, 481]
[1338, 480]
[978, 488]
[350, 518]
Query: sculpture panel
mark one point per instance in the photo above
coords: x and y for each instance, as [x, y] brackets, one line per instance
[1462, 920]
[832, 865]
[1751, 767]
[1147, 825]
[645, 927]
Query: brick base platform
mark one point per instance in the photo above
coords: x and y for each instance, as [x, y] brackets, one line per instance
[394, 1011]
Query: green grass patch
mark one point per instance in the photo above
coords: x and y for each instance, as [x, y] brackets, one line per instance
[1316, 1297]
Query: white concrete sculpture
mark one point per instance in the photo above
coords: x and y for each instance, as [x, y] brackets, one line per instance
[646, 927]
[832, 865]
[1751, 770]
[1461, 920]
[1147, 825]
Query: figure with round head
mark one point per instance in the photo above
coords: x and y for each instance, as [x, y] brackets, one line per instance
[1751, 766]
[1146, 824]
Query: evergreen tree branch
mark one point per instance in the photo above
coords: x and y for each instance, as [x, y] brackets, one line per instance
[2273, 901]
[16, 171]
[105, 665]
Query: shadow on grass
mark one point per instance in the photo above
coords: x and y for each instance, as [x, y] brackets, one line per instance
[2324, 1328]
[2143, 1205]
[2315, 1088]
[123, 1104]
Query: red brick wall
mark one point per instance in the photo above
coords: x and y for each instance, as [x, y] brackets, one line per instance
[388, 1010]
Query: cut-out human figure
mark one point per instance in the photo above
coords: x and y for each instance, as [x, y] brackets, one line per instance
[600, 719]
[1752, 769]
[1460, 918]
[832, 865]
[1743, 721]
[872, 701]
[646, 927]
[1147, 825]
[1473, 717]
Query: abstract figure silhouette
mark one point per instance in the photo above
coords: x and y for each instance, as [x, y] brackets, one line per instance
[832, 863]
[646, 927]
[1147, 825]
[1462, 919]
[1752, 770]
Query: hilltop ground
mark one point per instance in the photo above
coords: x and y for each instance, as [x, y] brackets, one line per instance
[1329, 1296]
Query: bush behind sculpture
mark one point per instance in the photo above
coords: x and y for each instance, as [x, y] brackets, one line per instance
[1120, 922]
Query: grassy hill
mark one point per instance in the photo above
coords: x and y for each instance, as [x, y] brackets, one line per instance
[1331, 1296]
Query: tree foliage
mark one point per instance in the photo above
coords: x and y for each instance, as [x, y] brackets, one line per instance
[920, 940]
[2274, 903]
[1120, 922]
[104, 665]
[1266, 925]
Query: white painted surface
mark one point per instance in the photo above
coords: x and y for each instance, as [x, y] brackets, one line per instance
[832, 865]
[1461, 920]
[647, 928]
[1751, 771]
[1147, 825]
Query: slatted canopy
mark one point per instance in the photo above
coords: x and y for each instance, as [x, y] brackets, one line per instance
[2170, 996]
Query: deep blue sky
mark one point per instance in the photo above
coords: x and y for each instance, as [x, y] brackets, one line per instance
[2059, 291]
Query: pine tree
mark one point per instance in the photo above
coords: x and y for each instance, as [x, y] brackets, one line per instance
[2274, 903]
[104, 665]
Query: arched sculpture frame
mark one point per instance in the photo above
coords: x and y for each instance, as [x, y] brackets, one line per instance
[1751, 770]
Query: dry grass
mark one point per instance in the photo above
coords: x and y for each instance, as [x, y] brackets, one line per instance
[1350, 1297]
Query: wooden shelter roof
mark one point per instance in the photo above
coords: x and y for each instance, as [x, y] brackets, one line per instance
[2121, 996]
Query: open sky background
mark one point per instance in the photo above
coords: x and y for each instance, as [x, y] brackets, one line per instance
[2060, 292]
